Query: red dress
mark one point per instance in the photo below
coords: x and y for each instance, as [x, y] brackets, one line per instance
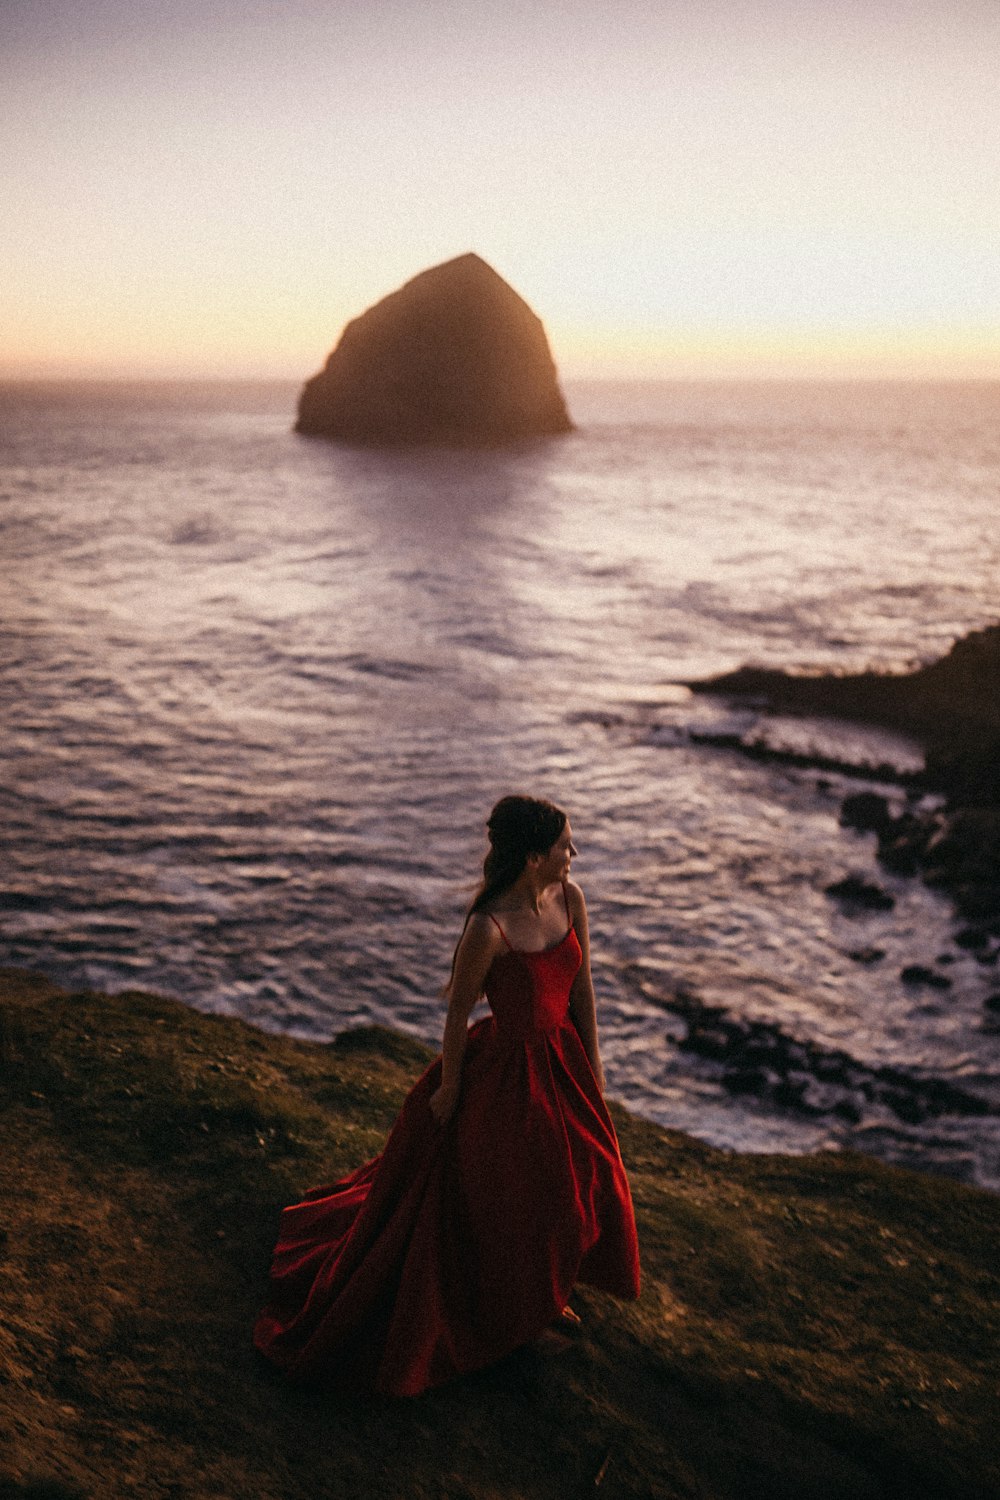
[461, 1242]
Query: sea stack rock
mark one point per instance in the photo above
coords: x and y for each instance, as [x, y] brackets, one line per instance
[454, 357]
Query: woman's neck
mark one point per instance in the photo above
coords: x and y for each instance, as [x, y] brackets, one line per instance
[526, 894]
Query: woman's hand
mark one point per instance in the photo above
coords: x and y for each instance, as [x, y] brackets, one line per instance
[443, 1103]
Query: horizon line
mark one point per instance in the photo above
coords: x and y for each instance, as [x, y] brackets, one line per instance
[830, 377]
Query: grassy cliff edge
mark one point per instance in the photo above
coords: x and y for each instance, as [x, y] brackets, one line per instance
[809, 1326]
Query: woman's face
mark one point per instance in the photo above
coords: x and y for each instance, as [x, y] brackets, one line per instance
[556, 863]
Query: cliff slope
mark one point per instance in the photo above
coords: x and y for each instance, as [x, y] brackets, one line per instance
[809, 1328]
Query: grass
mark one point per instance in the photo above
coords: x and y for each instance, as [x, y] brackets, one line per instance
[809, 1327]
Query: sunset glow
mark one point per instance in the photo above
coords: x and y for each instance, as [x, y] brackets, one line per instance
[685, 189]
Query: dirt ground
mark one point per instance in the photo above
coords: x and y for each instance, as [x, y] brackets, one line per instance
[809, 1329]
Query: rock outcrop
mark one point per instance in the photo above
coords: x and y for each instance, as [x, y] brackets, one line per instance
[952, 706]
[454, 357]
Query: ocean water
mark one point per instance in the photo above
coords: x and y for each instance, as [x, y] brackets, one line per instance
[259, 693]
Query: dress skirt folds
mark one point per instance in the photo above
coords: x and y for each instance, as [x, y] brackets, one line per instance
[461, 1242]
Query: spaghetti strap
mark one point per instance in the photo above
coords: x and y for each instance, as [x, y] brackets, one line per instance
[499, 929]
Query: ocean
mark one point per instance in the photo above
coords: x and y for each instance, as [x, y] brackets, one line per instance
[260, 691]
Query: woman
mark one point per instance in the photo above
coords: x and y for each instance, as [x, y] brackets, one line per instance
[501, 1184]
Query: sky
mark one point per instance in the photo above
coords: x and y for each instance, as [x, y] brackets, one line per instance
[679, 188]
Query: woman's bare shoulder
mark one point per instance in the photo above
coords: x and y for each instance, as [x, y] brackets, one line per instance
[480, 931]
[575, 897]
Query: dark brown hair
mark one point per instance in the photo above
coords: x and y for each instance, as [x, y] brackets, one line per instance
[517, 827]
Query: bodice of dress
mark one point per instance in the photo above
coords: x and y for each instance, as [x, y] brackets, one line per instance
[529, 992]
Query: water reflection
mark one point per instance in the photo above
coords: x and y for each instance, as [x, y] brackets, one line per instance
[435, 497]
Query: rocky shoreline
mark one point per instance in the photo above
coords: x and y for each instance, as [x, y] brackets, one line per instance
[762, 1059]
[825, 1327]
[948, 830]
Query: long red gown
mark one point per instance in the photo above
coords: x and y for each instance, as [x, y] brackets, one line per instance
[461, 1242]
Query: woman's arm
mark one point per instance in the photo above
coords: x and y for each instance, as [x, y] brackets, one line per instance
[582, 1005]
[476, 952]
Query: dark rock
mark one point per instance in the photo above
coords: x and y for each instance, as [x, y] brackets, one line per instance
[917, 974]
[854, 891]
[953, 704]
[867, 812]
[867, 955]
[972, 938]
[710, 1041]
[454, 357]
[790, 1094]
[967, 768]
[747, 1081]
[908, 1107]
[903, 843]
[992, 1002]
[758, 1058]
[970, 840]
[899, 857]
[797, 1055]
[976, 900]
[947, 1098]
[765, 1051]
[776, 755]
[832, 1067]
